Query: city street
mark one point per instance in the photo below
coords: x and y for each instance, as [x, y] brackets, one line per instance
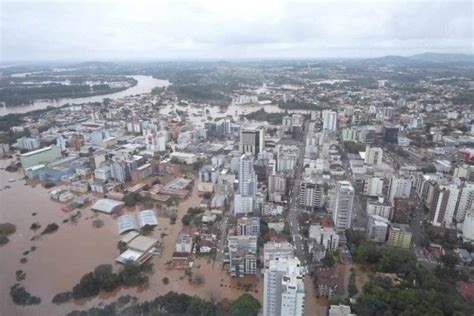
[293, 206]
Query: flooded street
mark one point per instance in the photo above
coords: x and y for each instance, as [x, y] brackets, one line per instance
[63, 257]
[197, 114]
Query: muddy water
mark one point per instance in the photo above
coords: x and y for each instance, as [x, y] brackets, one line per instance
[197, 114]
[63, 257]
[60, 259]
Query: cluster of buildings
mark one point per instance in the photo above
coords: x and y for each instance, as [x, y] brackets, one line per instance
[369, 162]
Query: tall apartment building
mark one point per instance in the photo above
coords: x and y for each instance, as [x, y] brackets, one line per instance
[287, 156]
[399, 187]
[444, 207]
[276, 187]
[311, 193]
[277, 250]
[373, 155]
[465, 201]
[252, 141]
[283, 288]
[247, 176]
[343, 205]
[390, 135]
[329, 120]
[373, 186]
[367, 135]
[242, 255]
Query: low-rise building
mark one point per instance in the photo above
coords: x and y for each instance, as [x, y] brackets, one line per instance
[184, 243]
[40, 156]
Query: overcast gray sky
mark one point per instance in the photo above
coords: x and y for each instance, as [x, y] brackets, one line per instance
[106, 30]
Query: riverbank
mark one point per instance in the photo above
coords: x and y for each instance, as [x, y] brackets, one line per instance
[145, 84]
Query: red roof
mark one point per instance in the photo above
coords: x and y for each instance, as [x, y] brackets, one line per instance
[466, 289]
[324, 222]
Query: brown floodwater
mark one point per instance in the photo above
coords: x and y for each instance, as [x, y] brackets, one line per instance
[63, 257]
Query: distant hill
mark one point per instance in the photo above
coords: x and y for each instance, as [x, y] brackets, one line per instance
[426, 58]
[443, 58]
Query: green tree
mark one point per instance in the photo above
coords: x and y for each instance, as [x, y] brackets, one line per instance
[245, 305]
[328, 260]
[87, 287]
[187, 219]
[105, 276]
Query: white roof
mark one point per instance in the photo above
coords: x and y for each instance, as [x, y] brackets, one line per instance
[37, 151]
[128, 237]
[147, 217]
[142, 243]
[127, 222]
[129, 255]
[106, 205]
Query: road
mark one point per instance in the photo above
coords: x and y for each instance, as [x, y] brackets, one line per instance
[223, 237]
[293, 206]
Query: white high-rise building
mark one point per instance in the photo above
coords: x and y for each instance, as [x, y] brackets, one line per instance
[399, 187]
[373, 186]
[443, 213]
[468, 227]
[243, 204]
[247, 176]
[343, 205]
[277, 250]
[329, 120]
[283, 292]
[373, 155]
[465, 201]
[452, 203]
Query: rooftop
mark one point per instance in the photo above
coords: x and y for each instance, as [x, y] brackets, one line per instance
[106, 205]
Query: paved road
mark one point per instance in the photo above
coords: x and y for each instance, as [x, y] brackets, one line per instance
[223, 238]
[294, 209]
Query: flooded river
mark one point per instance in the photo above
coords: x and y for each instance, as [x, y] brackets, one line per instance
[145, 85]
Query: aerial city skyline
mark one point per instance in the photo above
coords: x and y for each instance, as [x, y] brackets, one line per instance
[241, 158]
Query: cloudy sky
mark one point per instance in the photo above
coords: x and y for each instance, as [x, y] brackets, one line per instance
[37, 30]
